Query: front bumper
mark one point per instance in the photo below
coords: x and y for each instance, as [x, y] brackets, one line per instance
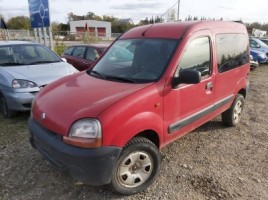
[253, 64]
[91, 166]
[19, 101]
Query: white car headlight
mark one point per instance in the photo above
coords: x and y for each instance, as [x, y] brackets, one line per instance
[85, 133]
[18, 83]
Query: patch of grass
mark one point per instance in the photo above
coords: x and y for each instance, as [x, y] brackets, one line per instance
[14, 129]
[59, 47]
[90, 38]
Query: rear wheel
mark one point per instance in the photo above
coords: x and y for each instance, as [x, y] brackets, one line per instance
[4, 109]
[137, 167]
[232, 116]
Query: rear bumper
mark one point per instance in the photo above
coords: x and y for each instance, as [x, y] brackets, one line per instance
[91, 166]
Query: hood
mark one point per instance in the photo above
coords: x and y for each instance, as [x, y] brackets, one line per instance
[79, 96]
[41, 74]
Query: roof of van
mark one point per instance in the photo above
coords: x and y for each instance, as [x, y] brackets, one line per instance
[178, 29]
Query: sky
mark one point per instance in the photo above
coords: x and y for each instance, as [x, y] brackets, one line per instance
[245, 10]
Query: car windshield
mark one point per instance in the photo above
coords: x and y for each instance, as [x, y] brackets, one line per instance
[135, 60]
[15, 55]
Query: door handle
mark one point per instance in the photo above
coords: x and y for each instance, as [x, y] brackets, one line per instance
[209, 86]
[85, 62]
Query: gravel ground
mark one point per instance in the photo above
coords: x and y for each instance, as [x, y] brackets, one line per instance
[212, 162]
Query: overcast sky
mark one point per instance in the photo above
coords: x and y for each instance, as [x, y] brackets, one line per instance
[246, 10]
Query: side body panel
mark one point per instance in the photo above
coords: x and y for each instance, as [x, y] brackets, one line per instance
[190, 105]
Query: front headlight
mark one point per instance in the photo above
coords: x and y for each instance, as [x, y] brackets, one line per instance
[18, 83]
[85, 133]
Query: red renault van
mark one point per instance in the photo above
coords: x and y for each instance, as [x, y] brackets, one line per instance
[152, 86]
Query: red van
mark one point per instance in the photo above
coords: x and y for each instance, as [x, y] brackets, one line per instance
[152, 86]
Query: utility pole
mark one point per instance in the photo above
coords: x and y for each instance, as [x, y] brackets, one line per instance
[179, 10]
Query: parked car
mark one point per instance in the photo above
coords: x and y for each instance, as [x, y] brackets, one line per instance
[25, 68]
[258, 56]
[83, 56]
[264, 40]
[257, 44]
[107, 124]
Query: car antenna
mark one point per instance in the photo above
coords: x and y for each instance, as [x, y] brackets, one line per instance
[146, 30]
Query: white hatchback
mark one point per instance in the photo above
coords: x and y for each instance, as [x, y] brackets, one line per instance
[25, 68]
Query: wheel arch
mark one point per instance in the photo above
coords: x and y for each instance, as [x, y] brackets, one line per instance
[243, 92]
[150, 135]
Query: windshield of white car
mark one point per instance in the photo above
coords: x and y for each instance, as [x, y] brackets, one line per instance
[30, 54]
[135, 60]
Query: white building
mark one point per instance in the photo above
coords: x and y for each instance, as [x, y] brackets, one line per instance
[100, 28]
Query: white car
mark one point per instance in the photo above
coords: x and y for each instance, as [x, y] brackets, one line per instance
[26, 67]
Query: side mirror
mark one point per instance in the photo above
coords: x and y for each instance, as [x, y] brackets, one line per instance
[187, 76]
[64, 59]
[258, 46]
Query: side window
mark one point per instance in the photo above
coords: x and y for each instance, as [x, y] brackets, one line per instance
[197, 56]
[92, 54]
[232, 51]
[79, 52]
[69, 51]
[253, 44]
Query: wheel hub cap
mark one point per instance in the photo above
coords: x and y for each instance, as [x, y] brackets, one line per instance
[135, 169]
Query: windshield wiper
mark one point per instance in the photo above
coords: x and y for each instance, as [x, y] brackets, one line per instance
[98, 74]
[43, 62]
[108, 77]
[128, 80]
[12, 64]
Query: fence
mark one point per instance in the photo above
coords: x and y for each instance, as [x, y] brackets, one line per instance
[61, 36]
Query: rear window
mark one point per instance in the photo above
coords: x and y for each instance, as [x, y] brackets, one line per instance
[232, 51]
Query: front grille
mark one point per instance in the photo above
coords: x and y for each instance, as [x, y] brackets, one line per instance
[33, 92]
[27, 105]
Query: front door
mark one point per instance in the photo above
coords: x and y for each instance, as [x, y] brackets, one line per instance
[189, 105]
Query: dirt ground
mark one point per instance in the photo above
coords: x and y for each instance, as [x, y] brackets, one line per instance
[212, 162]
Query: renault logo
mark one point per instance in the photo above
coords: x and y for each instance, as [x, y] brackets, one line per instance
[43, 116]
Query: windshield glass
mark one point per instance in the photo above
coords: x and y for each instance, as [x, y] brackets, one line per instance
[15, 55]
[135, 60]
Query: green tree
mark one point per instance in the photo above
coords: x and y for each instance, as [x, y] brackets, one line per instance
[171, 15]
[109, 19]
[20, 22]
[63, 27]
[144, 22]
[90, 15]
[158, 19]
[54, 26]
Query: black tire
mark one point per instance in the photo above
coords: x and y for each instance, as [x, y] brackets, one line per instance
[232, 116]
[4, 109]
[137, 167]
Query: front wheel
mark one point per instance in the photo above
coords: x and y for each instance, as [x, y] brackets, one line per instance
[232, 116]
[4, 109]
[137, 167]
